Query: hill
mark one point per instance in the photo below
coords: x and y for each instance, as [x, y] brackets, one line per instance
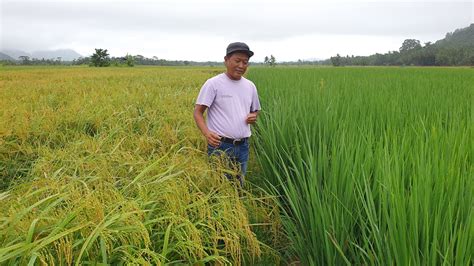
[5, 57]
[460, 38]
[13, 53]
[65, 54]
[456, 49]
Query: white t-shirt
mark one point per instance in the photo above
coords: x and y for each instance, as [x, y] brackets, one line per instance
[229, 102]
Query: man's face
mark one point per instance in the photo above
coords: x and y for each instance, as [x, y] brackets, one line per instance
[236, 64]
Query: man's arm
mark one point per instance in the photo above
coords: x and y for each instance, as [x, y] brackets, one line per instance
[212, 138]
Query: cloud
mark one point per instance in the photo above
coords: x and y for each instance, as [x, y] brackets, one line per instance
[148, 26]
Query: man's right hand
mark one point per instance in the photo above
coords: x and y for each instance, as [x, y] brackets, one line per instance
[213, 139]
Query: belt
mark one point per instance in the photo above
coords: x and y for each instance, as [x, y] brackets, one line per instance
[234, 141]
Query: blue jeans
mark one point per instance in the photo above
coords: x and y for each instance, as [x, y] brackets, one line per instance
[237, 154]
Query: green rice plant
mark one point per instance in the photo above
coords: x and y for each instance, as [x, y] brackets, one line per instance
[373, 165]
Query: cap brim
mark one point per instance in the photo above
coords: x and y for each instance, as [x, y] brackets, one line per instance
[248, 52]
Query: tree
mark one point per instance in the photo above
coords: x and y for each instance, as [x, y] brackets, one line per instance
[410, 44]
[265, 61]
[25, 60]
[100, 58]
[272, 61]
[130, 60]
[336, 60]
[82, 61]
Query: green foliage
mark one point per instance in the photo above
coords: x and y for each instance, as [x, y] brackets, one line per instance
[130, 60]
[409, 45]
[459, 38]
[25, 60]
[457, 49]
[271, 61]
[336, 60]
[100, 58]
[374, 165]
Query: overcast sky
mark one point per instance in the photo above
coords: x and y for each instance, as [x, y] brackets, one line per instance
[201, 30]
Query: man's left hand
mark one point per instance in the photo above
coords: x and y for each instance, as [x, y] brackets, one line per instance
[252, 118]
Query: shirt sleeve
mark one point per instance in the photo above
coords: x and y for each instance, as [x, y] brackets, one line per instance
[255, 101]
[206, 95]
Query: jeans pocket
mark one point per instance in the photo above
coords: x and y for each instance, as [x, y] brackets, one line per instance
[211, 149]
[209, 146]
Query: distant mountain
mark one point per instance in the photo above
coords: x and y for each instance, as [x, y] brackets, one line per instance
[5, 57]
[15, 53]
[65, 54]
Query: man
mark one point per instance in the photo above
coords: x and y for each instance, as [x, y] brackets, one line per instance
[233, 105]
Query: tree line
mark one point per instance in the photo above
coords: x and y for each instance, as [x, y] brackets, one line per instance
[26, 60]
[416, 55]
[456, 49]
[101, 58]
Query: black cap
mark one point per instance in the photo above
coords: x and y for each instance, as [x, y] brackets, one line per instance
[239, 47]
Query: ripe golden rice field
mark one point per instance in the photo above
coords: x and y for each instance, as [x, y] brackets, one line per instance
[107, 165]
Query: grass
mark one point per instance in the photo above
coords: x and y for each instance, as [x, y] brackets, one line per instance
[374, 165]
